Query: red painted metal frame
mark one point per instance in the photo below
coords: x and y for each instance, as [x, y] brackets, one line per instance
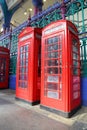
[4, 67]
[69, 94]
[29, 37]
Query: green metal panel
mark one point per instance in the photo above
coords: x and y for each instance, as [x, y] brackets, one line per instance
[83, 68]
[13, 61]
[83, 56]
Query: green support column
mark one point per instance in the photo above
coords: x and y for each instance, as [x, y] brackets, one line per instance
[83, 23]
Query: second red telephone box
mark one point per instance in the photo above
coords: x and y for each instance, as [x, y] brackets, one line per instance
[29, 65]
[4, 67]
[60, 77]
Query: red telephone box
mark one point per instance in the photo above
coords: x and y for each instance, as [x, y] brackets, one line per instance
[4, 67]
[29, 65]
[60, 77]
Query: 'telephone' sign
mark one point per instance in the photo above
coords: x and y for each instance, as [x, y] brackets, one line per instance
[54, 29]
[25, 37]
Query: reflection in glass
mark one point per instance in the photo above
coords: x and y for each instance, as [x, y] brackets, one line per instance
[75, 56]
[26, 48]
[55, 47]
[75, 63]
[50, 71]
[26, 70]
[50, 41]
[50, 48]
[55, 70]
[75, 42]
[55, 39]
[21, 50]
[75, 48]
[75, 71]
[52, 86]
[20, 56]
[26, 55]
[23, 55]
[23, 70]
[52, 62]
[53, 55]
[52, 78]
[52, 94]
[1, 79]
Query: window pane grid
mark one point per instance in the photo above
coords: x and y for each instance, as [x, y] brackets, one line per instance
[2, 69]
[23, 66]
[76, 69]
[53, 67]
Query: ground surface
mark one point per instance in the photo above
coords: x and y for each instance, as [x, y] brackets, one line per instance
[17, 115]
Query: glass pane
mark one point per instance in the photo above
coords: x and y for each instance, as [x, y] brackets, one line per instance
[52, 79]
[76, 79]
[75, 63]
[50, 48]
[55, 39]
[23, 55]
[22, 49]
[50, 41]
[52, 94]
[76, 86]
[26, 47]
[53, 55]
[52, 86]
[52, 70]
[75, 48]
[75, 56]
[52, 62]
[75, 42]
[26, 62]
[26, 70]
[26, 55]
[55, 47]
[75, 71]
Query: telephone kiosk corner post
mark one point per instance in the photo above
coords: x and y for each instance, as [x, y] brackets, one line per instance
[28, 81]
[60, 77]
[4, 67]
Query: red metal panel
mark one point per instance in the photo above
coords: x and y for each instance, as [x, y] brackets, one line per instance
[28, 77]
[4, 67]
[58, 67]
